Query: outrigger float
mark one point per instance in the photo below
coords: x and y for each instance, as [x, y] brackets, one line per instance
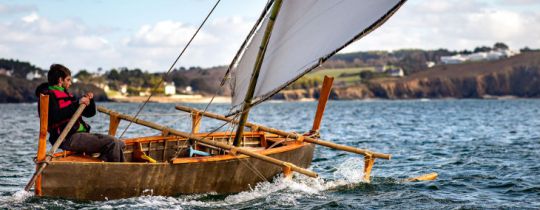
[178, 162]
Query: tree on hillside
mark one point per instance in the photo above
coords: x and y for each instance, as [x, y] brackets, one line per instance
[500, 46]
[413, 61]
[19, 68]
[83, 76]
[180, 81]
[200, 84]
[482, 49]
[113, 75]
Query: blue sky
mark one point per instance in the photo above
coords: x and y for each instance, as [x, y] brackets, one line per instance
[88, 34]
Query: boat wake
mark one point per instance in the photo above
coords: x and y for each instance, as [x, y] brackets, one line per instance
[280, 192]
[18, 197]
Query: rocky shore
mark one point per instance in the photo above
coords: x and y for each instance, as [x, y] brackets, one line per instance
[518, 76]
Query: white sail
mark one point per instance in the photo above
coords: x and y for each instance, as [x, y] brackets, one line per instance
[305, 33]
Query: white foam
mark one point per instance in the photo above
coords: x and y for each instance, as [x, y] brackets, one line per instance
[20, 196]
[348, 173]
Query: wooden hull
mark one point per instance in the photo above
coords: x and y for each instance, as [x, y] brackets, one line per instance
[221, 173]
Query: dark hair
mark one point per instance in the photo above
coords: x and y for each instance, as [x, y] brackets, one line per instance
[56, 72]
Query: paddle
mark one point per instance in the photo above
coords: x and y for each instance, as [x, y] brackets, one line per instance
[55, 146]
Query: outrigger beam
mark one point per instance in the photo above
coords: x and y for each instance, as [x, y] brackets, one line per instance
[232, 149]
[325, 143]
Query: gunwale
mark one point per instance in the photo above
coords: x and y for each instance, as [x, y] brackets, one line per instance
[68, 156]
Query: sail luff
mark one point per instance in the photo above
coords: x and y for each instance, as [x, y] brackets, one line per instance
[256, 70]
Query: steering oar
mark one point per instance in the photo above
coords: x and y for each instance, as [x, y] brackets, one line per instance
[59, 141]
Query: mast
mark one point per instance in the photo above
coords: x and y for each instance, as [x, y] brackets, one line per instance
[256, 70]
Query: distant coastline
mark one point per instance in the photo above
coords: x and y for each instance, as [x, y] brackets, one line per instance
[172, 99]
[506, 78]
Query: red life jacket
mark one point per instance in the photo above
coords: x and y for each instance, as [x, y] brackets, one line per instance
[64, 99]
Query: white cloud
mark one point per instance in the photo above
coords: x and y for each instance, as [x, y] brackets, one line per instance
[31, 18]
[92, 43]
[155, 47]
[168, 34]
[42, 42]
[501, 25]
[453, 25]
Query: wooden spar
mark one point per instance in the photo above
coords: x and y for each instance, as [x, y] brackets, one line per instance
[59, 141]
[113, 124]
[42, 143]
[232, 149]
[291, 135]
[323, 98]
[195, 122]
[256, 71]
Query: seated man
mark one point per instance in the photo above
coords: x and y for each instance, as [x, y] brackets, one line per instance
[62, 106]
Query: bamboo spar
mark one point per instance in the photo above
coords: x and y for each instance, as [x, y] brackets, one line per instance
[256, 70]
[206, 141]
[291, 135]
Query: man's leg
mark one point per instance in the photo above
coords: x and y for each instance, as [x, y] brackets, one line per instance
[111, 149]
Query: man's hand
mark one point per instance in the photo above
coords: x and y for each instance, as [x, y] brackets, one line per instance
[90, 95]
[84, 100]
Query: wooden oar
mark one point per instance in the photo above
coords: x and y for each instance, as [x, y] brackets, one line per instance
[55, 146]
[290, 135]
[231, 148]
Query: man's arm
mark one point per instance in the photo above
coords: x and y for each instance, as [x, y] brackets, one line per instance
[90, 110]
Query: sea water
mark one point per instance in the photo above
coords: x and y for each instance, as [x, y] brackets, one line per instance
[486, 152]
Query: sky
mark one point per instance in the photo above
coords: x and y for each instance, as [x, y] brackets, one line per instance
[92, 34]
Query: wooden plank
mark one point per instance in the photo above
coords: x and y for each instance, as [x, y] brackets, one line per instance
[42, 142]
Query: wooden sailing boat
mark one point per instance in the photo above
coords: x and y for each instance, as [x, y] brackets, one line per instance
[283, 48]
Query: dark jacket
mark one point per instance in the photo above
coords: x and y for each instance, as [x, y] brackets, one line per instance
[62, 106]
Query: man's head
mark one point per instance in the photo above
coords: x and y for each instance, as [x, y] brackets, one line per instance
[59, 75]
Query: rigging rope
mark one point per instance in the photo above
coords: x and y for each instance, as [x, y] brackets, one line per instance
[171, 68]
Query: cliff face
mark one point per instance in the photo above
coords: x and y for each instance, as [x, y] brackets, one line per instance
[516, 76]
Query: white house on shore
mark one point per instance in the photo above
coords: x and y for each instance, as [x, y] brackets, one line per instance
[395, 72]
[6, 72]
[33, 75]
[123, 89]
[480, 56]
[170, 89]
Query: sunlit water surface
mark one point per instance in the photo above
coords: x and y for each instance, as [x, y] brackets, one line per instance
[486, 152]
